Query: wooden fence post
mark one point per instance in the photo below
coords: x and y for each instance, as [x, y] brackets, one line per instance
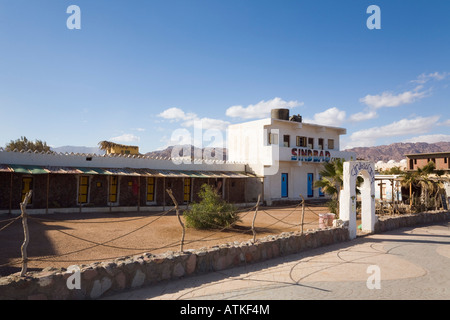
[254, 218]
[169, 191]
[23, 249]
[303, 212]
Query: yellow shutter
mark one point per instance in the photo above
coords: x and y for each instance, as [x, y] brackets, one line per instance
[150, 189]
[83, 189]
[27, 183]
[187, 190]
[113, 189]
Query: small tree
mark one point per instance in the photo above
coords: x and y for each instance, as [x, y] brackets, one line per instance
[211, 212]
[24, 144]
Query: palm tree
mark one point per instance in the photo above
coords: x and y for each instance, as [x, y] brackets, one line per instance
[331, 182]
[331, 177]
[422, 178]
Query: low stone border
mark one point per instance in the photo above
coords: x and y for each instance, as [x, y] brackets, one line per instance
[108, 277]
[386, 223]
[101, 279]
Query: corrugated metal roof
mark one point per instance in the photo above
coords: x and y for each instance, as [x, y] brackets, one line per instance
[29, 169]
[5, 168]
[63, 170]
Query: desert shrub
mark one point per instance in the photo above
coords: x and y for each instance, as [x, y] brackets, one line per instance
[211, 212]
[333, 206]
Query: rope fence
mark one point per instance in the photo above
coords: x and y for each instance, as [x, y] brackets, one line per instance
[218, 235]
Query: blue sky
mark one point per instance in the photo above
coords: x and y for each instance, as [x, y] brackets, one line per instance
[138, 71]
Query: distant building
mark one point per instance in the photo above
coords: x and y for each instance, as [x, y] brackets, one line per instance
[116, 148]
[418, 160]
[441, 161]
[388, 187]
[383, 166]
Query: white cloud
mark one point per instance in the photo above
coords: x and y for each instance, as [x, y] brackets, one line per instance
[431, 138]
[176, 114]
[126, 137]
[207, 123]
[388, 99]
[192, 120]
[368, 137]
[444, 123]
[424, 78]
[330, 117]
[261, 109]
[361, 116]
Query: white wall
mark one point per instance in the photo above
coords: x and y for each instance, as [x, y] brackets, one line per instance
[103, 161]
[248, 142]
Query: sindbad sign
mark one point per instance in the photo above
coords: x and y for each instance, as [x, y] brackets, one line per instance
[309, 155]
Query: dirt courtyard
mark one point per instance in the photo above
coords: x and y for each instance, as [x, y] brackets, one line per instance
[63, 239]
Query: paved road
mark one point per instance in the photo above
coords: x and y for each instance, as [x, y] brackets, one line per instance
[410, 263]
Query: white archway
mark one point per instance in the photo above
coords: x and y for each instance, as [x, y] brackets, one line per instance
[347, 201]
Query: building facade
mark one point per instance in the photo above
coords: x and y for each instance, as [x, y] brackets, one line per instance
[278, 158]
[419, 160]
[288, 153]
[80, 182]
[117, 148]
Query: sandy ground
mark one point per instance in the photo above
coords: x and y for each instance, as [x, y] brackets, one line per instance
[61, 240]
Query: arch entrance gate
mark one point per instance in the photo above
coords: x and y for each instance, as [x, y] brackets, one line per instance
[347, 200]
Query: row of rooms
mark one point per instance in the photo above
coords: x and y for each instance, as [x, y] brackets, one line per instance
[441, 162]
[68, 190]
[301, 141]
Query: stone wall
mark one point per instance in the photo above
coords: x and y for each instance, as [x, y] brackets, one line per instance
[386, 223]
[101, 279]
[108, 277]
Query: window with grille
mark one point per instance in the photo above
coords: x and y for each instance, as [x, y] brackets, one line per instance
[187, 190]
[27, 185]
[150, 189]
[113, 188]
[83, 189]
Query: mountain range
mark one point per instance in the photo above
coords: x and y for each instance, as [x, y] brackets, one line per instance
[397, 151]
[394, 151]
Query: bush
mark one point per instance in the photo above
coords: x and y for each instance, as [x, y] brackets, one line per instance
[211, 212]
[333, 206]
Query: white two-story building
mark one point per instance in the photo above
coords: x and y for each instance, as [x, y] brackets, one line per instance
[287, 152]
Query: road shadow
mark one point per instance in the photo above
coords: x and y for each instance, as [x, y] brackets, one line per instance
[190, 284]
[12, 238]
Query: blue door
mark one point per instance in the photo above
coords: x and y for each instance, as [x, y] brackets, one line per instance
[321, 194]
[284, 185]
[310, 184]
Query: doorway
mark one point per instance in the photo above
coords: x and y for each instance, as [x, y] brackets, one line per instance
[284, 185]
[310, 185]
